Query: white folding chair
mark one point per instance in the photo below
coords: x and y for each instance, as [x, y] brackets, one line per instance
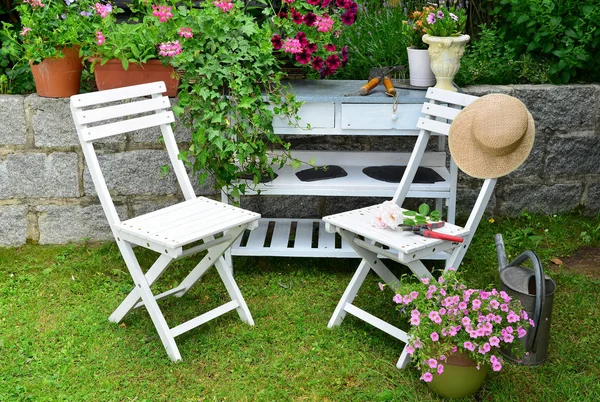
[211, 225]
[407, 248]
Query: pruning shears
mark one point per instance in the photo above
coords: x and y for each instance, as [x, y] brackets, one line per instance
[426, 230]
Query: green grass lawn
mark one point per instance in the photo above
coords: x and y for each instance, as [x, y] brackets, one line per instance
[56, 342]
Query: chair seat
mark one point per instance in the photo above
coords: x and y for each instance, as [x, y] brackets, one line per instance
[184, 223]
[359, 221]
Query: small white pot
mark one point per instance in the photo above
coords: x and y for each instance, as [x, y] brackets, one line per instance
[445, 54]
[419, 68]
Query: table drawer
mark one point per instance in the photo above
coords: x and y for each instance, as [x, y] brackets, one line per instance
[380, 116]
[318, 115]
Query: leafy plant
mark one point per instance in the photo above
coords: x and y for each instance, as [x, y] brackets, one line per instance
[230, 90]
[305, 30]
[567, 32]
[443, 21]
[421, 217]
[47, 27]
[448, 317]
[370, 43]
[151, 32]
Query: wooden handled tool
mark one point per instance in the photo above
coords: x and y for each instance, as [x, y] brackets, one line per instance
[368, 87]
[389, 87]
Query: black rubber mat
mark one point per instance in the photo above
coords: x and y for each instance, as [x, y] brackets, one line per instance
[321, 173]
[393, 174]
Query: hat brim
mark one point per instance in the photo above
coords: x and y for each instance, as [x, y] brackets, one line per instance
[473, 161]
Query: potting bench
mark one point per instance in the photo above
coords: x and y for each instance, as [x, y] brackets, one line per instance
[336, 108]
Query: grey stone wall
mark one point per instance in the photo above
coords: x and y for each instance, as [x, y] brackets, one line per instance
[47, 197]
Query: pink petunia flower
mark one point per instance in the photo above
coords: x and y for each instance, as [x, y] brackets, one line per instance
[434, 336]
[432, 363]
[440, 369]
[410, 349]
[427, 376]
[521, 332]
[415, 320]
[469, 346]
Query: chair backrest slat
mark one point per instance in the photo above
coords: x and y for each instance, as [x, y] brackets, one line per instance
[100, 107]
[122, 110]
[435, 127]
[118, 94]
[450, 97]
[442, 111]
[126, 126]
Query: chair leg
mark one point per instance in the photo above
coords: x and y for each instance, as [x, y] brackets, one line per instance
[133, 297]
[226, 274]
[143, 289]
[210, 259]
[349, 294]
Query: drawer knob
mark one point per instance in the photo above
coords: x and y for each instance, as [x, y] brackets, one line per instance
[394, 117]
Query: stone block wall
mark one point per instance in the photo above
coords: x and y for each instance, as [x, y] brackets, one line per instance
[47, 197]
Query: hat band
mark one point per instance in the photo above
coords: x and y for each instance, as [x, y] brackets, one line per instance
[500, 151]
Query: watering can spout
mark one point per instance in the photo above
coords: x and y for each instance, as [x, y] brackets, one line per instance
[500, 252]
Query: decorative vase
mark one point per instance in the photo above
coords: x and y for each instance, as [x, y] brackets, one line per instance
[460, 378]
[58, 77]
[445, 53]
[113, 75]
[419, 68]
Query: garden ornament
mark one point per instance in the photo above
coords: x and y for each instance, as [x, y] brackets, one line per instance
[535, 291]
[492, 136]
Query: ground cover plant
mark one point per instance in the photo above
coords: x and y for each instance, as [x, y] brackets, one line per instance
[57, 344]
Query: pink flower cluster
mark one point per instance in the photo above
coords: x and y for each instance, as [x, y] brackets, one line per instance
[163, 13]
[103, 9]
[224, 5]
[34, 3]
[100, 38]
[185, 32]
[447, 313]
[324, 23]
[169, 49]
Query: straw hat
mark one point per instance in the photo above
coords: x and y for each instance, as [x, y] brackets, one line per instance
[492, 136]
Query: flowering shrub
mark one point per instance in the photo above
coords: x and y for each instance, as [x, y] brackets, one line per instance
[415, 26]
[154, 31]
[48, 25]
[305, 30]
[443, 21]
[447, 317]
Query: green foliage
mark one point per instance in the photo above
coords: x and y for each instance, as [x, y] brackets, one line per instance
[591, 232]
[492, 60]
[48, 26]
[229, 73]
[566, 32]
[444, 21]
[378, 38]
[422, 216]
[15, 73]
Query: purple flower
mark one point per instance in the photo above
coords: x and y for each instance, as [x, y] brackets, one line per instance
[333, 62]
[297, 17]
[440, 14]
[348, 18]
[303, 57]
[276, 41]
[310, 18]
[431, 18]
[427, 377]
[454, 17]
[317, 63]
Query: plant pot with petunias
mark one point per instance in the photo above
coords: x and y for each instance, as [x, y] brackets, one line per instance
[55, 36]
[457, 332]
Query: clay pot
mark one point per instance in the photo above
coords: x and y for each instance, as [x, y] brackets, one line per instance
[113, 75]
[460, 378]
[58, 77]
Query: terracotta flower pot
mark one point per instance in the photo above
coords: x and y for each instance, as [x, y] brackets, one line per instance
[113, 75]
[460, 378]
[58, 77]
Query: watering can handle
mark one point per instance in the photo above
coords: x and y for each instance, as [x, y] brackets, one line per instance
[540, 293]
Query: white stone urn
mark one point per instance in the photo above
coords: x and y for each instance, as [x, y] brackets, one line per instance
[445, 53]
